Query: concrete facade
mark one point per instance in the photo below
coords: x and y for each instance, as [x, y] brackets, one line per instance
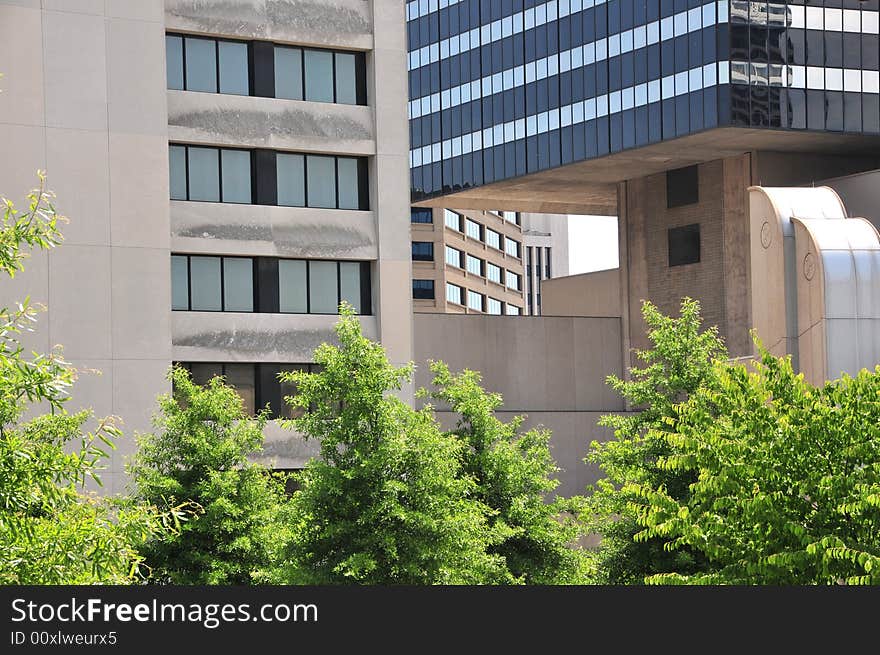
[441, 234]
[567, 360]
[85, 98]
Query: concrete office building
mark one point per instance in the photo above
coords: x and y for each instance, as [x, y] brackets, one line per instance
[231, 170]
[467, 262]
[545, 239]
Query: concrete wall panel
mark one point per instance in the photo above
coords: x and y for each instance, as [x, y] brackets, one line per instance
[80, 178]
[139, 190]
[75, 72]
[141, 303]
[21, 38]
[80, 321]
[136, 76]
[339, 23]
[234, 337]
[221, 119]
[216, 228]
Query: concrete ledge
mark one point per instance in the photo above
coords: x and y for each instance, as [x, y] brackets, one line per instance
[241, 337]
[245, 121]
[335, 23]
[285, 449]
[259, 230]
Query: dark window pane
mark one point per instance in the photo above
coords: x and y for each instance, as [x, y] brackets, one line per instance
[233, 68]
[291, 180]
[179, 283]
[323, 293]
[201, 65]
[292, 286]
[177, 172]
[423, 289]
[350, 284]
[236, 175]
[241, 378]
[288, 73]
[174, 61]
[204, 174]
[238, 284]
[682, 187]
[321, 181]
[319, 75]
[684, 245]
[205, 283]
[423, 251]
[349, 186]
[346, 79]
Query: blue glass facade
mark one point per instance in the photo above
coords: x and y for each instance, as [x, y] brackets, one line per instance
[500, 89]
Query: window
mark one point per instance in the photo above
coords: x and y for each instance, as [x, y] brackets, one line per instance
[684, 245]
[493, 306]
[510, 217]
[321, 187]
[421, 215]
[513, 310]
[452, 220]
[475, 300]
[682, 187]
[473, 229]
[423, 251]
[453, 257]
[320, 75]
[511, 247]
[493, 239]
[423, 289]
[280, 178]
[474, 265]
[512, 280]
[196, 63]
[453, 293]
[493, 272]
[257, 384]
[212, 284]
[291, 180]
[268, 285]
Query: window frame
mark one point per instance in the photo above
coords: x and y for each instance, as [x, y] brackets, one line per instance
[266, 282]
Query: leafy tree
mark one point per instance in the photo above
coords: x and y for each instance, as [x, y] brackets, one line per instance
[679, 362]
[386, 502]
[785, 479]
[514, 471]
[52, 531]
[198, 454]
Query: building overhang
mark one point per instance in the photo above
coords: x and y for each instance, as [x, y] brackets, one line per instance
[589, 187]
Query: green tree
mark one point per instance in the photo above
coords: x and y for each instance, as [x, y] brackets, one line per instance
[51, 530]
[386, 502]
[198, 454]
[785, 479]
[679, 362]
[514, 473]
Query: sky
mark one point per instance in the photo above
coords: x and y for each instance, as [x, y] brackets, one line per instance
[592, 243]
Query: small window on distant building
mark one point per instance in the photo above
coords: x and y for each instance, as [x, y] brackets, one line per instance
[423, 289]
[421, 215]
[684, 245]
[423, 251]
[682, 187]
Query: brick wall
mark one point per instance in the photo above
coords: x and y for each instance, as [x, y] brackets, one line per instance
[716, 279]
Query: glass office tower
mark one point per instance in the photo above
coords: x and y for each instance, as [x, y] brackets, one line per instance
[500, 89]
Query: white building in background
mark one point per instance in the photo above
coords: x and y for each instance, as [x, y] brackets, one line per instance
[546, 253]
